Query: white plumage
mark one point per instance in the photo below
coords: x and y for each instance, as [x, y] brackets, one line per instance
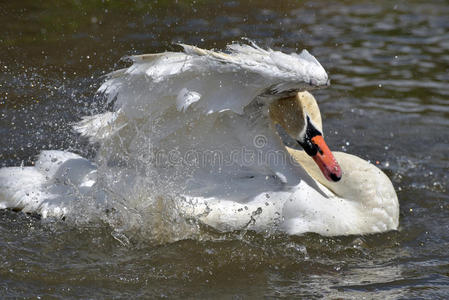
[214, 81]
[193, 127]
[52, 187]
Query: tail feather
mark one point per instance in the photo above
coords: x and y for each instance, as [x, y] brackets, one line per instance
[50, 186]
[20, 187]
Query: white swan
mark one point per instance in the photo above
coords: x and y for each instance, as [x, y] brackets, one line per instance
[199, 128]
[363, 200]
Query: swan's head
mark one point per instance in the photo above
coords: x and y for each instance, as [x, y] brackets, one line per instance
[300, 117]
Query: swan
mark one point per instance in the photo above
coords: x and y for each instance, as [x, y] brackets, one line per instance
[357, 198]
[201, 128]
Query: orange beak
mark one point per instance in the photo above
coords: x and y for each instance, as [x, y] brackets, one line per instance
[326, 160]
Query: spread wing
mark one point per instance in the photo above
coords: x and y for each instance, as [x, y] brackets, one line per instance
[199, 81]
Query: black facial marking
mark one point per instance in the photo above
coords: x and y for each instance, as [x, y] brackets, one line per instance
[308, 146]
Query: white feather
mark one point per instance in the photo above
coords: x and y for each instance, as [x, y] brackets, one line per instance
[214, 81]
[204, 105]
[50, 187]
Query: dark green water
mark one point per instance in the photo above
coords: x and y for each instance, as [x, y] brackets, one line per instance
[388, 103]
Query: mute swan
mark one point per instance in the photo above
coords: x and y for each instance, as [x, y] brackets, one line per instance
[199, 127]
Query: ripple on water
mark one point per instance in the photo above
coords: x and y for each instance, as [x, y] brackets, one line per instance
[388, 103]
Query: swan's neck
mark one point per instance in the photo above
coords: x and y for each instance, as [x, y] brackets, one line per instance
[365, 193]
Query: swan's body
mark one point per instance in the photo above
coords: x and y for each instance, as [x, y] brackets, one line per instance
[199, 127]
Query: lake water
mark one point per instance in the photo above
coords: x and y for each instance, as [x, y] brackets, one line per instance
[388, 103]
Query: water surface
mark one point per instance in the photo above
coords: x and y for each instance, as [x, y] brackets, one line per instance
[388, 103]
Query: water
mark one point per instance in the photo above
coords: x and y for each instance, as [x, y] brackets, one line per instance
[388, 103]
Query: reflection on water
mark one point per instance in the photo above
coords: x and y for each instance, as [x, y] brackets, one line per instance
[388, 104]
